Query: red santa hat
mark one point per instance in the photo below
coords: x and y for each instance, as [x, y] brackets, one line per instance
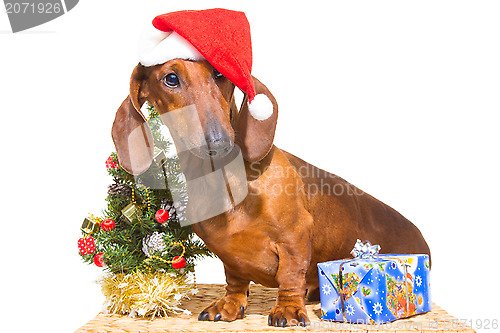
[220, 36]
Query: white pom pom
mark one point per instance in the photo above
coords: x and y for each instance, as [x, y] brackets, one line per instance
[157, 47]
[261, 107]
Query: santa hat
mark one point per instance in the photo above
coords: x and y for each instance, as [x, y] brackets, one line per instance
[220, 36]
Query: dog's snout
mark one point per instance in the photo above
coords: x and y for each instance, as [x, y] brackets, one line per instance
[218, 148]
[218, 141]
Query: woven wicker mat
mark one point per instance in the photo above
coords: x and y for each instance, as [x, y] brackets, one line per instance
[261, 300]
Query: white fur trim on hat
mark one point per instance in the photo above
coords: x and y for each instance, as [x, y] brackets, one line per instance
[157, 47]
[261, 107]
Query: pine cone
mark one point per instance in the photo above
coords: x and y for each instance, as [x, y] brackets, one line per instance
[120, 189]
[172, 213]
[166, 204]
[169, 206]
[154, 243]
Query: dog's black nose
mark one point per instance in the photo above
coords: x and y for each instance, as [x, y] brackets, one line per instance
[218, 148]
[218, 142]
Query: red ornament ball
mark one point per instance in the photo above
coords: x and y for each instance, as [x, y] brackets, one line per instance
[86, 245]
[178, 262]
[162, 216]
[108, 224]
[98, 260]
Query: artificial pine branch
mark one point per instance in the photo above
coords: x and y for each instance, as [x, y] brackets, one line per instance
[122, 246]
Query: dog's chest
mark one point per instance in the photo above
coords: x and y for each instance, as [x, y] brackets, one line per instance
[243, 244]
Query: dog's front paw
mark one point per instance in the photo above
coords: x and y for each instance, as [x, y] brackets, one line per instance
[291, 312]
[228, 308]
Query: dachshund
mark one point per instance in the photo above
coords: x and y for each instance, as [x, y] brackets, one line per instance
[273, 237]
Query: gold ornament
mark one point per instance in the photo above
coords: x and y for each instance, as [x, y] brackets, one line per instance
[131, 212]
[159, 157]
[147, 294]
[91, 225]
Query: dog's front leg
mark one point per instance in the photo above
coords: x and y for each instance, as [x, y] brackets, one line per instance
[233, 305]
[294, 257]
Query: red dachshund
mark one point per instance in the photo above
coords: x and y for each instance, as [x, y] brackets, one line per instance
[294, 216]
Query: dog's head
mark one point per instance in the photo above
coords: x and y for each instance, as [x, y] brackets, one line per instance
[178, 85]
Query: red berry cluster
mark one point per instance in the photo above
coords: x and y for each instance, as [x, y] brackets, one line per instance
[110, 164]
[86, 245]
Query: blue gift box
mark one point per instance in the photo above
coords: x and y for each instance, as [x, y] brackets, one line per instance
[376, 289]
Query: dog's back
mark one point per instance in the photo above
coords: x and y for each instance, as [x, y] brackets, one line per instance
[343, 213]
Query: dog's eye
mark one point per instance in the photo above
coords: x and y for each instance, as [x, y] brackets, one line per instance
[171, 80]
[217, 74]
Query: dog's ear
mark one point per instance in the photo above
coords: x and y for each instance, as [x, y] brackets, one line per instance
[255, 137]
[131, 134]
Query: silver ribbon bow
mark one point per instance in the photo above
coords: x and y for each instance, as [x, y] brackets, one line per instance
[365, 250]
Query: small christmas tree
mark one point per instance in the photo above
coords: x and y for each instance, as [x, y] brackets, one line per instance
[149, 258]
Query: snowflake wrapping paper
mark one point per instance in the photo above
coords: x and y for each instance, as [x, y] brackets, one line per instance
[376, 290]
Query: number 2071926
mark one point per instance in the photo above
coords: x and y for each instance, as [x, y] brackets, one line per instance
[33, 8]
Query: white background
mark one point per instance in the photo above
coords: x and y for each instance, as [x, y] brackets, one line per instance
[399, 98]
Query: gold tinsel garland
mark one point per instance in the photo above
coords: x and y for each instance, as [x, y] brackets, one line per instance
[146, 294]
